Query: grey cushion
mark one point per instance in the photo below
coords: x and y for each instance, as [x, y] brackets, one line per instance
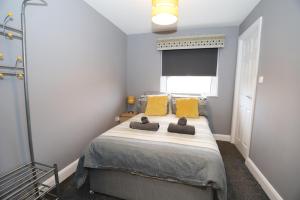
[142, 104]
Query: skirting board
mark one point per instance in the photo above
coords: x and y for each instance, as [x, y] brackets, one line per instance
[263, 181]
[63, 174]
[220, 137]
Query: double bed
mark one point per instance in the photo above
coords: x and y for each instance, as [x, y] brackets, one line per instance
[144, 165]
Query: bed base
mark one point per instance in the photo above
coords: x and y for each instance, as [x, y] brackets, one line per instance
[133, 187]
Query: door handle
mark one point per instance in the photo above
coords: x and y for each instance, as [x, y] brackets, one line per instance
[249, 97]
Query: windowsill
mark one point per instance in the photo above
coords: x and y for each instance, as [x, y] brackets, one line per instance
[190, 95]
[212, 97]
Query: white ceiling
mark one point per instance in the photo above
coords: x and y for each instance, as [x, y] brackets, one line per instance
[134, 16]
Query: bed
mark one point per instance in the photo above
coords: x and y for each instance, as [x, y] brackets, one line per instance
[135, 164]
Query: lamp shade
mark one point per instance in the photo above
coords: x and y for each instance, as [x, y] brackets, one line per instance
[164, 12]
[131, 100]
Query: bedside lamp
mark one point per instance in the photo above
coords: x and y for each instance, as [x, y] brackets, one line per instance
[131, 101]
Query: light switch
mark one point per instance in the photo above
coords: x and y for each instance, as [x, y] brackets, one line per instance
[261, 79]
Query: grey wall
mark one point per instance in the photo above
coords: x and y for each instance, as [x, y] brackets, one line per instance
[144, 71]
[276, 131]
[77, 68]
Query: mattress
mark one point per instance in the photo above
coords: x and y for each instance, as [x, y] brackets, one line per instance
[192, 160]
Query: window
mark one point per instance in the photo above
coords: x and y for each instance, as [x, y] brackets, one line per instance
[199, 85]
[190, 71]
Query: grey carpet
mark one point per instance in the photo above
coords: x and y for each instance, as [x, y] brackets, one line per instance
[241, 184]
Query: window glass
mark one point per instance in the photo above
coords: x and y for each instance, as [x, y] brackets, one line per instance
[200, 85]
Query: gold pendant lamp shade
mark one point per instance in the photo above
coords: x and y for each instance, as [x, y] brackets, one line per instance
[164, 12]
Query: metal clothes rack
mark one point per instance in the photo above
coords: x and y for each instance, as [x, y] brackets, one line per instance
[27, 181]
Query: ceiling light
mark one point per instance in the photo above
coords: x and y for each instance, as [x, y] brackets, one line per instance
[164, 12]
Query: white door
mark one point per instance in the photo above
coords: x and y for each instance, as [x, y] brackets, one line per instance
[247, 69]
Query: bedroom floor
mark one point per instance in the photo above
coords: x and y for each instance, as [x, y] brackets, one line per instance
[241, 184]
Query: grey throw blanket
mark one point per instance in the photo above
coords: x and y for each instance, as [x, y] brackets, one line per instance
[189, 159]
[192, 166]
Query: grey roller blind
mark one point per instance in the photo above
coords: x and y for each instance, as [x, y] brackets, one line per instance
[190, 62]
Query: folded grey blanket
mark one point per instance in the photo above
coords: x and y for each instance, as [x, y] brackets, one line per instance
[182, 121]
[174, 128]
[145, 120]
[146, 127]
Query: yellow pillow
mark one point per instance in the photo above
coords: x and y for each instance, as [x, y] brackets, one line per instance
[187, 107]
[156, 105]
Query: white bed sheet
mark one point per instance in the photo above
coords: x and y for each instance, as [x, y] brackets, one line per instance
[203, 136]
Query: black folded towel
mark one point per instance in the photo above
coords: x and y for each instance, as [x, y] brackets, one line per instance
[182, 121]
[174, 128]
[146, 127]
[145, 120]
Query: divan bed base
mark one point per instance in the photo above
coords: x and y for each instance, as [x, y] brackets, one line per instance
[134, 187]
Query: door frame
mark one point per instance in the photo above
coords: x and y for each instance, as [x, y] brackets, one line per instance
[257, 25]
